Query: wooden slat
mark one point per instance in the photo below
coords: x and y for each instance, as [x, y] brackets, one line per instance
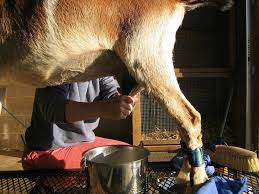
[2, 95]
[203, 72]
[161, 142]
[136, 123]
[2, 98]
[163, 148]
[10, 160]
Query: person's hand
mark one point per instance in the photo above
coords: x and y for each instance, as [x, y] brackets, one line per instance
[120, 106]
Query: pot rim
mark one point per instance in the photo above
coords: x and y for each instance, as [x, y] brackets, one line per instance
[146, 152]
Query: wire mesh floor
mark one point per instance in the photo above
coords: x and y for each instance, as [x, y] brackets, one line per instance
[160, 181]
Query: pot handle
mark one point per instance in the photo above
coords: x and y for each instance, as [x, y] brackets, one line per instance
[83, 172]
[141, 144]
[83, 166]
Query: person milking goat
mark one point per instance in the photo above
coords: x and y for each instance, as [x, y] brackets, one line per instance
[56, 42]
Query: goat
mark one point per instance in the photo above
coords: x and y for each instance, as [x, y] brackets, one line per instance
[51, 42]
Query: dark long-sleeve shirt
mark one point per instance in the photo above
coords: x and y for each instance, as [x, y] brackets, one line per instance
[48, 128]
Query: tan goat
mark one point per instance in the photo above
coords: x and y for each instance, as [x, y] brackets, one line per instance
[50, 42]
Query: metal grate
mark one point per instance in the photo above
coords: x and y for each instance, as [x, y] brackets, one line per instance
[207, 95]
[161, 180]
[157, 126]
[42, 182]
[253, 179]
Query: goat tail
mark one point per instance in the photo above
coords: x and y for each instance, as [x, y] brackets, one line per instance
[224, 5]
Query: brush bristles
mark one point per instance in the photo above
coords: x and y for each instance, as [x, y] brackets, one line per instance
[236, 158]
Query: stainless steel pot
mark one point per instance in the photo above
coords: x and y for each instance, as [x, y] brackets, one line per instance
[119, 169]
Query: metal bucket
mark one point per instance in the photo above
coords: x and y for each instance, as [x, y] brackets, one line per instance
[119, 169]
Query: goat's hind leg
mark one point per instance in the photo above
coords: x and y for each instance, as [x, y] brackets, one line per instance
[149, 61]
[159, 78]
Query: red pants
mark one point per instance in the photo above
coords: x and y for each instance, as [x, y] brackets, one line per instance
[62, 158]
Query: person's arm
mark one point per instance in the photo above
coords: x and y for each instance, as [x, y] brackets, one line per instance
[55, 108]
[51, 102]
[111, 104]
[118, 107]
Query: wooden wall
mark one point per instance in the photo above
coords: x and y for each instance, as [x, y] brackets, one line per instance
[18, 100]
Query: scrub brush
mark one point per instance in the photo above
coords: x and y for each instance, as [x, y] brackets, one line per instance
[230, 156]
[235, 158]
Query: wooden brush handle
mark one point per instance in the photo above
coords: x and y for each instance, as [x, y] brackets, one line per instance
[223, 149]
[137, 89]
[235, 158]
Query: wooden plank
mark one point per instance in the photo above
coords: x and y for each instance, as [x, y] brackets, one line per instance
[2, 98]
[3, 95]
[161, 142]
[163, 148]
[203, 69]
[11, 160]
[161, 156]
[136, 122]
[203, 72]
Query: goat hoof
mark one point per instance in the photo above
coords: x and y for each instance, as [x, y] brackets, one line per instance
[188, 189]
[183, 176]
[183, 180]
[199, 175]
